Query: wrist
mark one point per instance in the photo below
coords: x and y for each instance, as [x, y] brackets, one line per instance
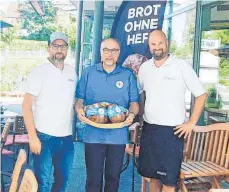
[32, 136]
[79, 109]
[134, 115]
[192, 122]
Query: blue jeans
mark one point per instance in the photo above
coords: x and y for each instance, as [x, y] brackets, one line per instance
[103, 159]
[56, 154]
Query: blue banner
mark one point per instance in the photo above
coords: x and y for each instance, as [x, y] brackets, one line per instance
[133, 23]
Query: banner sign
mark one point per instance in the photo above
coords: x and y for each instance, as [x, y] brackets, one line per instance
[133, 23]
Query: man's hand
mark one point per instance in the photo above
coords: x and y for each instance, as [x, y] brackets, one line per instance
[129, 119]
[214, 52]
[35, 145]
[184, 129]
[81, 115]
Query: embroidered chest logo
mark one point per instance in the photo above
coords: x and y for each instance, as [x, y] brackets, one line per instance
[119, 84]
[169, 78]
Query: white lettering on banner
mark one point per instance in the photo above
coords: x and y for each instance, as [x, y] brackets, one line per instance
[140, 11]
[137, 38]
[142, 24]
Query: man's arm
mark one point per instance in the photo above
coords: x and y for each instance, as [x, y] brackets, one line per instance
[133, 111]
[34, 142]
[198, 108]
[79, 108]
[186, 128]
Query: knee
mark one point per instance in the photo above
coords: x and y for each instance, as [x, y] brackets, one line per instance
[166, 188]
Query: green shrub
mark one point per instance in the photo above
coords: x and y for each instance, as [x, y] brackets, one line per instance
[25, 45]
[212, 102]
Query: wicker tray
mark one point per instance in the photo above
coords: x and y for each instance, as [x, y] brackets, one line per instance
[104, 126]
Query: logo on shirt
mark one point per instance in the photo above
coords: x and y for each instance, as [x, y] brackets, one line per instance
[169, 78]
[71, 80]
[119, 84]
[161, 173]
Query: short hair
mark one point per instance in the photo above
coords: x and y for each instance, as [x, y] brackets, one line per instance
[158, 30]
[110, 38]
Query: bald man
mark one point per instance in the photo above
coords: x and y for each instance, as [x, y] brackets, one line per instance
[164, 79]
[106, 82]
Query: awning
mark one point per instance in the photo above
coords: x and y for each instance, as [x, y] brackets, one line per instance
[4, 24]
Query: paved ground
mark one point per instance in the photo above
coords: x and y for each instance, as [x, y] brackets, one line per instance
[78, 176]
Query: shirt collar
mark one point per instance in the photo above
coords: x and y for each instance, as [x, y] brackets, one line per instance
[167, 62]
[118, 68]
[53, 66]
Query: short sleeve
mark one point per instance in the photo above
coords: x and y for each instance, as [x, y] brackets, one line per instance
[192, 81]
[34, 82]
[82, 86]
[134, 95]
[140, 80]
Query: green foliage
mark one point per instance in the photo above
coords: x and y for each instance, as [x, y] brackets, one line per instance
[70, 30]
[38, 27]
[212, 101]
[9, 35]
[25, 45]
[212, 92]
[223, 35]
[15, 70]
[224, 68]
[106, 33]
[186, 50]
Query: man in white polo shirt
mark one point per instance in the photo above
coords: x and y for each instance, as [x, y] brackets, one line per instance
[50, 89]
[164, 78]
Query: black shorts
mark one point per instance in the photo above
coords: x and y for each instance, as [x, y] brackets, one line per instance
[161, 153]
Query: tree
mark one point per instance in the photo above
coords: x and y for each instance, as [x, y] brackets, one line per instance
[38, 27]
[9, 35]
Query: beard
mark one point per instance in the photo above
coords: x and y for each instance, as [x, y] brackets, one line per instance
[159, 55]
[109, 62]
[58, 58]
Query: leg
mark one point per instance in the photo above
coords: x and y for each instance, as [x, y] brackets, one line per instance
[155, 185]
[62, 161]
[94, 158]
[113, 167]
[143, 185]
[42, 167]
[166, 188]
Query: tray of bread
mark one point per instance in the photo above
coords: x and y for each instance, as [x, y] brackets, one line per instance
[105, 115]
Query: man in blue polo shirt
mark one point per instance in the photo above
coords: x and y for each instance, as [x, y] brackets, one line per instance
[106, 82]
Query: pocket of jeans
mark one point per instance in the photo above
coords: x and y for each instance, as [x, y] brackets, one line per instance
[43, 136]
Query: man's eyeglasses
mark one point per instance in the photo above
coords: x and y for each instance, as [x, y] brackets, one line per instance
[56, 46]
[112, 51]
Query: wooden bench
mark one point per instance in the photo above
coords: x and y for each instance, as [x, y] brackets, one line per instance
[206, 155]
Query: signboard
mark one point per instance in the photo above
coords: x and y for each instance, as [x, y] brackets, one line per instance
[133, 23]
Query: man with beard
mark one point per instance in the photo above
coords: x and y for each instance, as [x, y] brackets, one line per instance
[50, 89]
[164, 79]
[108, 82]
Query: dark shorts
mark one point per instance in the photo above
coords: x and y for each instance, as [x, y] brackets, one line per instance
[161, 154]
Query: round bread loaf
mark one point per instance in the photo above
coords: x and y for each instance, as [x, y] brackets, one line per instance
[96, 114]
[116, 113]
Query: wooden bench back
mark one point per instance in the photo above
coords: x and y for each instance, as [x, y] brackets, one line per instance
[210, 143]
